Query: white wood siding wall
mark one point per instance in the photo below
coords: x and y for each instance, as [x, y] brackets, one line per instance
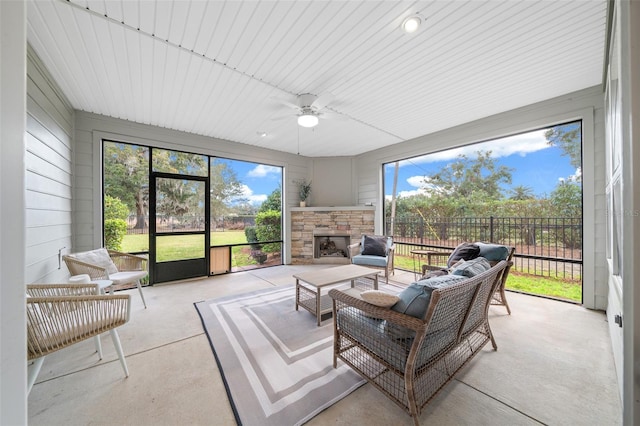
[48, 175]
[586, 105]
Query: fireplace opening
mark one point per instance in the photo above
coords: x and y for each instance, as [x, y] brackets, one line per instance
[331, 246]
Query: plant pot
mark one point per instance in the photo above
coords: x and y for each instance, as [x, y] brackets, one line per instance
[303, 204]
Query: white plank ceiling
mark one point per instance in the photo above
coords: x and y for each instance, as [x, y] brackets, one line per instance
[213, 68]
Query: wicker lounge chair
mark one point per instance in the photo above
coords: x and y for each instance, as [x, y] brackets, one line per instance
[505, 253]
[382, 260]
[103, 264]
[59, 315]
[410, 359]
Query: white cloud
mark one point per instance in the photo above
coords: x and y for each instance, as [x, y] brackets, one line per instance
[261, 171]
[519, 144]
[416, 181]
[247, 194]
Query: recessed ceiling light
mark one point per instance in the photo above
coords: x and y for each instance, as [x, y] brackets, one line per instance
[308, 120]
[411, 24]
[262, 134]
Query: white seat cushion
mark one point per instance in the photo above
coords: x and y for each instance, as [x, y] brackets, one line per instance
[127, 277]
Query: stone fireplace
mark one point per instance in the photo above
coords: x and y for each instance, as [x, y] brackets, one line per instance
[323, 234]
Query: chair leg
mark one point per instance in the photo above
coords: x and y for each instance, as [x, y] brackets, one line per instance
[98, 346]
[33, 373]
[141, 295]
[504, 300]
[118, 346]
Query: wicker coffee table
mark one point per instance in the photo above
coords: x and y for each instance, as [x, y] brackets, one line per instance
[309, 286]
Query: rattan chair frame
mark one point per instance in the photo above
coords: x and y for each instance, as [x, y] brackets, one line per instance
[60, 315]
[389, 268]
[125, 262]
[412, 369]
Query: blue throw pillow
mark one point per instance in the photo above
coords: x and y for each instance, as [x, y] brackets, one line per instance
[414, 300]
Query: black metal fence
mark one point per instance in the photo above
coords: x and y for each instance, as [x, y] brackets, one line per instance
[544, 246]
[140, 225]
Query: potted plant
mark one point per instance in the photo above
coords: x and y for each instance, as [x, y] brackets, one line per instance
[304, 189]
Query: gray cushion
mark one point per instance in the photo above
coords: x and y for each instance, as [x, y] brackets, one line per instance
[471, 268]
[493, 252]
[364, 259]
[464, 251]
[414, 300]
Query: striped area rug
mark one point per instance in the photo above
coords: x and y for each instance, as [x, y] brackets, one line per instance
[275, 361]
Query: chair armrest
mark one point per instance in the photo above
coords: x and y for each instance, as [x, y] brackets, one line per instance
[342, 299]
[53, 290]
[354, 249]
[78, 267]
[128, 261]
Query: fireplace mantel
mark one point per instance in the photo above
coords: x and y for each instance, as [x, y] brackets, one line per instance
[332, 208]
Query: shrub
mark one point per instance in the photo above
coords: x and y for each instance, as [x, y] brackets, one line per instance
[250, 233]
[114, 208]
[114, 232]
[268, 228]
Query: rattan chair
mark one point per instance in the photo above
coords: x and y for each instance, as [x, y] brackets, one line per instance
[59, 315]
[384, 262]
[103, 264]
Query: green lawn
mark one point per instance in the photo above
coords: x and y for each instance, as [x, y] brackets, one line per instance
[191, 246]
[136, 243]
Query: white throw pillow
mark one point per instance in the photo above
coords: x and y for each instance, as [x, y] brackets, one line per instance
[379, 298]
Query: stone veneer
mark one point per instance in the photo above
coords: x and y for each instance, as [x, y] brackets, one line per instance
[355, 220]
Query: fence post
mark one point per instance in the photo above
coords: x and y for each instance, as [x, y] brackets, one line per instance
[490, 229]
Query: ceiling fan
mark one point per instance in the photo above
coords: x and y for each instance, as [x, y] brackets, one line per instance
[309, 108]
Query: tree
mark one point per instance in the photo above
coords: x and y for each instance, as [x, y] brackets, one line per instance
[126, 176]
[273, 201]
[568, 138]
[566, 199]
[468, 179]
[224, 188]
[521, 192]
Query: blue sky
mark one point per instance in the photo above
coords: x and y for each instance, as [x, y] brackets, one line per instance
[258, 180]
[535, 164]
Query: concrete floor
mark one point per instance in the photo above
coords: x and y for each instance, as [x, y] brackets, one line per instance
[553, 366]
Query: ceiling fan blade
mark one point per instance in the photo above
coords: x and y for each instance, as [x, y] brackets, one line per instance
[283, 117]
[334, 116]
[323, 100]
[285, 102]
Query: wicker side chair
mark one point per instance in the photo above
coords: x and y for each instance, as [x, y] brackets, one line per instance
[411, 359]
[59, 315]
[499, 297]
[103, 264]
[383, 261]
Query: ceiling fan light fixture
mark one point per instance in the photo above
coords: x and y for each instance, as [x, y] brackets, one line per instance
[308, 120]
[411, 24]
